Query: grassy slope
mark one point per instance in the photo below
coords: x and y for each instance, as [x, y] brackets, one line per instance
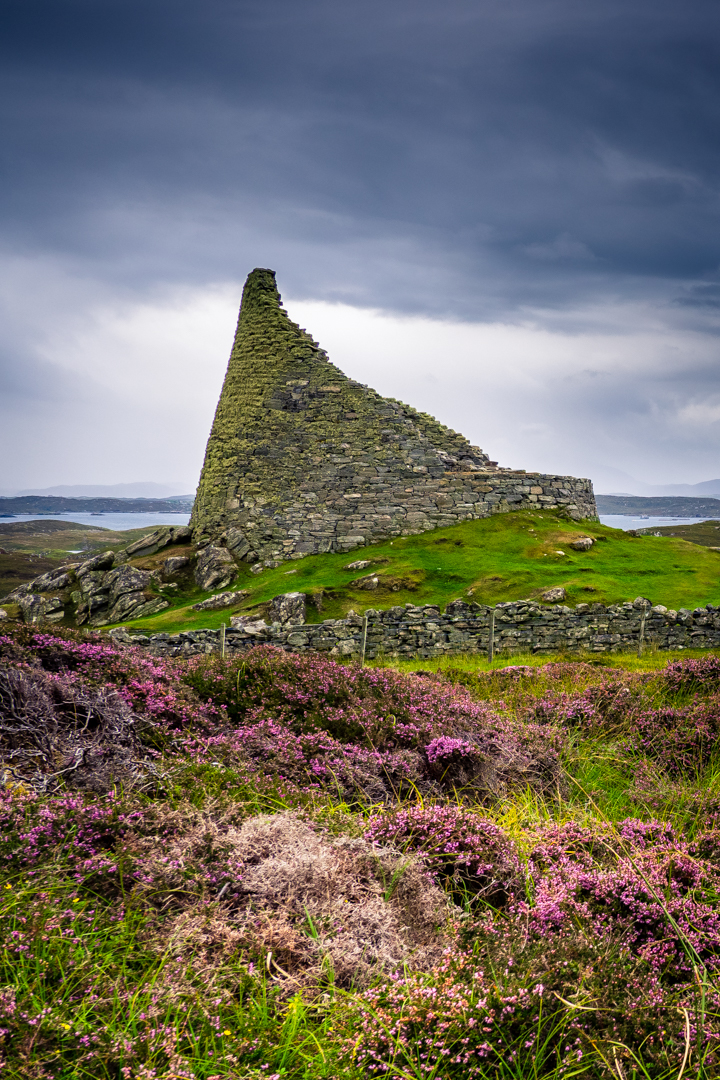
[17, 567]
[705, 533]
[502, 558]
[60, 539]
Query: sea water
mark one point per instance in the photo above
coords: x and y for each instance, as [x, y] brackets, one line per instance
[117, 522]
[121, 522]
[625, 521]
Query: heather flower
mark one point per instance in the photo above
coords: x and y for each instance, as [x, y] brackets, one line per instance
[465, 850]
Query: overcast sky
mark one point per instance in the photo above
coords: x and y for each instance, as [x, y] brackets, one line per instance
[504, 212]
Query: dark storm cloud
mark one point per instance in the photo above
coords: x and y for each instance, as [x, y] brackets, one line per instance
[525, 152]
[552, 165]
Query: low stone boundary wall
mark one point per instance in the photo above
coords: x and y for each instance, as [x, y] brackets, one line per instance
[422, 632]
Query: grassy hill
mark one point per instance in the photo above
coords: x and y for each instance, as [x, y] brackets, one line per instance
[705, 533]
[502, 558]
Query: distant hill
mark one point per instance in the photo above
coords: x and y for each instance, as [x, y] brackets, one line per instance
[58, 504]
[141, 489]
[704, 533]
[705, 488]
[659, 506]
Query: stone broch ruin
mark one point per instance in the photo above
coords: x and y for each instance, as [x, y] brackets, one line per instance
[302, 459]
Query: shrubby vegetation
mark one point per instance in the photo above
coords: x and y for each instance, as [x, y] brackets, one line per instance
[280, 866]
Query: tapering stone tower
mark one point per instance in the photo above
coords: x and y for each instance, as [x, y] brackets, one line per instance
[302, 459]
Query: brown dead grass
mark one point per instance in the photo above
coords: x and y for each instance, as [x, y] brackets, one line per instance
[310, 908]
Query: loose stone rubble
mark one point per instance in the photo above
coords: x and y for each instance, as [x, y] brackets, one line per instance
[221, 600]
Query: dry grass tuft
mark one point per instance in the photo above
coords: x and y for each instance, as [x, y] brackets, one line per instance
[310, 908]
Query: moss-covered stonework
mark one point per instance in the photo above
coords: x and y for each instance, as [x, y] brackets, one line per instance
[302, 459]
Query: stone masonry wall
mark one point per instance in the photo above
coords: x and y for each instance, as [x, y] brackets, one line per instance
[423, 632]
[302, 459]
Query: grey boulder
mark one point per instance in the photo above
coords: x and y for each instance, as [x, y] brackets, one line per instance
[215, 568]
[583, 544]
[133, 605]
[39, 609]
[103, 561]
[249, 624]
[94, 583]
[554, 596]
[54, 579]
[370, 582]
[126, 579]
[288, 609]
[221, 600]
[150, 543]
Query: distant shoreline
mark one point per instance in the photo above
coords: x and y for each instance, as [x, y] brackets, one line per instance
[47, 505]
[669, 506]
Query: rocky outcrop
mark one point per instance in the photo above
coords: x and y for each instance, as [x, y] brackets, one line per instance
[116, 595]
[155, 541]
[104, 588]
[39, 609]
[302, 459]
[215, 568]
[103, 561]
[288, 609]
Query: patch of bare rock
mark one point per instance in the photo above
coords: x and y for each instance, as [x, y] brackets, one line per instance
[104, 588]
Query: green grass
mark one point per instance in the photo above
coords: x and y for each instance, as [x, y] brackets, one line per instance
[80, 941]
[497, 559]
[651, 660]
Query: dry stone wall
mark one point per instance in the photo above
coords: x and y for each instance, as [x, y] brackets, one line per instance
[302, 459]
[424, 632]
